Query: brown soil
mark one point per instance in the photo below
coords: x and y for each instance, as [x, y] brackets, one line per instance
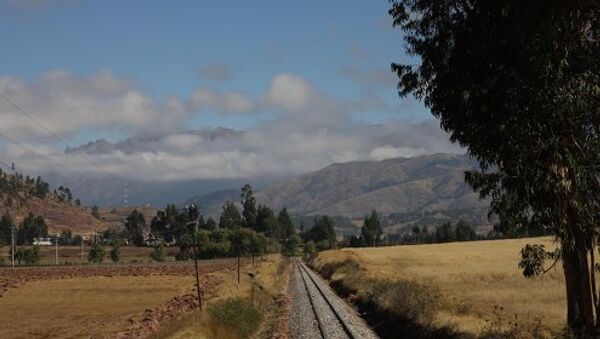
[15, 277]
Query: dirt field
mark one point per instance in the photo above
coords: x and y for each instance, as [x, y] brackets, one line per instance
[479, 282]
[100, 301]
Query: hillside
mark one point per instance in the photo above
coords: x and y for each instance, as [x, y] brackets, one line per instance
[403, 185]
[115, 217]
[20, 196]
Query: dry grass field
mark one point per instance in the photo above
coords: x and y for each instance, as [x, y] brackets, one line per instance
[477, 282]
[262, 284]
[97, 301]
[83, 307]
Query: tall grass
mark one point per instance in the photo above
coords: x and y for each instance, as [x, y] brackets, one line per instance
[235, 315]
[465, 286]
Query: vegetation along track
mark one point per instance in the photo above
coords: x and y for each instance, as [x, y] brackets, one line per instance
[320, 312]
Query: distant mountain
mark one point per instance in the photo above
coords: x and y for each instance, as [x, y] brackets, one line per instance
[109, 192]
[420, 184]
[211, 203]
[146, 143]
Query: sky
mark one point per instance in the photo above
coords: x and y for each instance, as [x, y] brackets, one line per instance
[302, 83]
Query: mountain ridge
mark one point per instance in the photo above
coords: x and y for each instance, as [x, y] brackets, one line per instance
[352, 189]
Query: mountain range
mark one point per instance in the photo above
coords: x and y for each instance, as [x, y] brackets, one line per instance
[353, 189]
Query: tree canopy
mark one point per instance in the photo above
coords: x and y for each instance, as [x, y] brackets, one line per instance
[521, 92]
[249, 204]
[230, 217]
[371, 231]
[134, 226]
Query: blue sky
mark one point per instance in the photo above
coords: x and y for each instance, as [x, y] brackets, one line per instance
[163, 44]
[316, 71]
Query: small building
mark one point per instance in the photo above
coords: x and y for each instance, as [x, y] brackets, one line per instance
[42, 241]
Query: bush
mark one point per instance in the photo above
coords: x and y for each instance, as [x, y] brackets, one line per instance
[32, 255]
[309, 250]
[115, 252]
[96, 254]
[159, 253]
[239, 315]
[183, 254]
[29, 256]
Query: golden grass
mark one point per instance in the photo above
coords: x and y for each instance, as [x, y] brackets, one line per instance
[262, 289]
[83, 307]
[472, 277]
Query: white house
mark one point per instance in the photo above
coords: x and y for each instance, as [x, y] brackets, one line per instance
[42, 241]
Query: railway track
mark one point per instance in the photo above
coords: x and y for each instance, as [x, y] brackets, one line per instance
[322, 313]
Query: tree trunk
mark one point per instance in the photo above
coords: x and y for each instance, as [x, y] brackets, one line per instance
[593, 277]
[580, 305]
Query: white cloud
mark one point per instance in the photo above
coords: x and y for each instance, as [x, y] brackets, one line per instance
[310, 131]
[65, 103]
[290, 93]
[389, 152]
[277, 149]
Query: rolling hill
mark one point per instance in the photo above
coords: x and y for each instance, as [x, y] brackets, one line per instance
[417, 185]
[424, 190]
[18, 197]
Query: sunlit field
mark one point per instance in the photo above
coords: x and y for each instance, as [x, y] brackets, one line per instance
[103, 300]
[263, 285]
[478, 282]
[95, 306]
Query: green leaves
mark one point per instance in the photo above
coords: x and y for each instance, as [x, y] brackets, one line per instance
[533, 258]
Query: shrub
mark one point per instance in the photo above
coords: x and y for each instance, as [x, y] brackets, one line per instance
[96, 254]
[32, 255]
[29, 256]
[115, 252]
[159, 252]
[183, 254]
[309, 250]
[239, 315]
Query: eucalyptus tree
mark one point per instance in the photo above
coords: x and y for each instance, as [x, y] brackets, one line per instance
[518, 84]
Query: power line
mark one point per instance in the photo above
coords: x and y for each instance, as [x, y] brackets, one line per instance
[23, 147]
[29, 149]
[5, 165]
[54, 135]
[22, 111]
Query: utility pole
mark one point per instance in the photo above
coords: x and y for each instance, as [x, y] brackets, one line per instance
[238, 249]
[194, 230]
[56, 252]
[13, 244]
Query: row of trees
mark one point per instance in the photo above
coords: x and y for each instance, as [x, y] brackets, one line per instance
[253, 231]
[446, 232]
[31, 227]
[371, 233]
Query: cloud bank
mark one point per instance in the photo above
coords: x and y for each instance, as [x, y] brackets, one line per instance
[310, 130]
